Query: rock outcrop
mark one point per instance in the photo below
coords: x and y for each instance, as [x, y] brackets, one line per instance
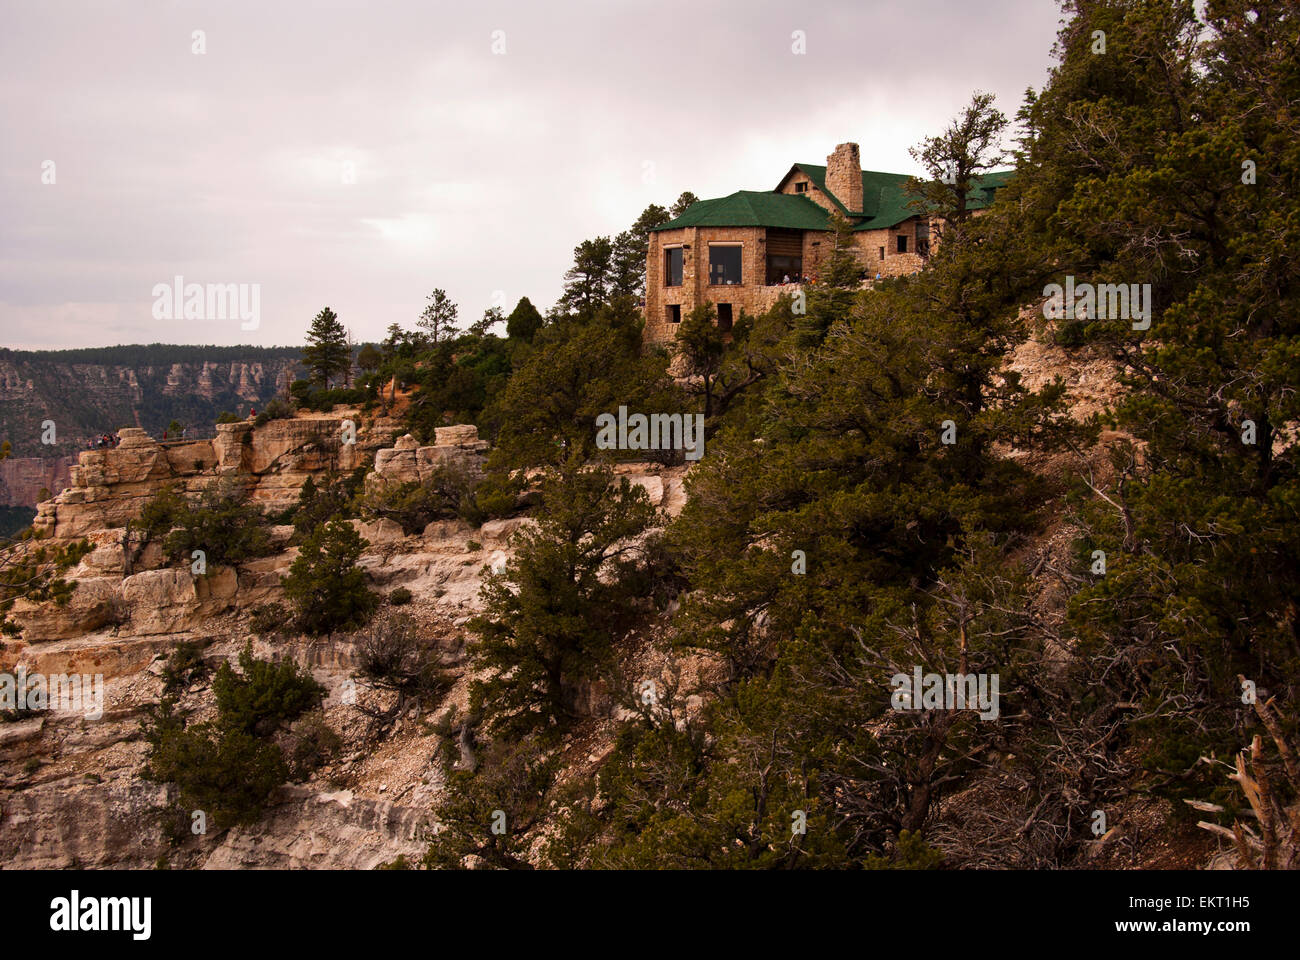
[109, 487]
[72, 791]
[408, 462]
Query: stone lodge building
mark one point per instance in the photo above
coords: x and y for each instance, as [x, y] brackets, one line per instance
[738, 251]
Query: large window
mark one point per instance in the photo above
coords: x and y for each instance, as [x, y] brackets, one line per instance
[783, 269]
[673, 267]
[724, 265]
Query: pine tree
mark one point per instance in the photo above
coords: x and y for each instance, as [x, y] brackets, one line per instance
[326, 355]
[438, 319]
[630, 250]
[683, 203]
[587, 282]
[970, 145]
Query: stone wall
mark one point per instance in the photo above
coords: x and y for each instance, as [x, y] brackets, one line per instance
[751, 295]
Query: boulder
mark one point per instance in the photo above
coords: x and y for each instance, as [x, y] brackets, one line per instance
[379, 531]
[96, 602]
[500, 531]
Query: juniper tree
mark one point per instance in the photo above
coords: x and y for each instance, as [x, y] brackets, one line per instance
[326, 587]
[551, 617]
[953, 160]
[524, 321]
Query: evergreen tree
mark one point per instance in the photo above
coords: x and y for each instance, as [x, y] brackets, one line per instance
[970, 145]
[631, 247]
[550, 619]
[587, 282]
[547, 410]
[524, 321]
[326, 587]
[701, 346]
[682, 204]
[326, 355]
[438, 319]
[369, 358]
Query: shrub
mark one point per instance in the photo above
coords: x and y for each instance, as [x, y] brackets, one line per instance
[310, 396]
[227, 773]
[326, 587]
[277, 409]
[400, 597]
[227, 767]
[332, 500]
[311, 746]
[225, 416]
[415, 505]
[184, 666]
[496, 495]
[391, 652]
[162, 513]
[265, 695]
[473, 546]
[220, 523]
[268, 618]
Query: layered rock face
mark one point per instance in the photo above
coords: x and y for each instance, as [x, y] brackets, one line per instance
[408, 462]
[72, 791]
[110, 487]
[23, 478]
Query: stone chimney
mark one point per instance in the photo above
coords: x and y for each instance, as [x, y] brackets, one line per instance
[844, 176]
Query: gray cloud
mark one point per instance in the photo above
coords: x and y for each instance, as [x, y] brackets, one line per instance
[475, 172]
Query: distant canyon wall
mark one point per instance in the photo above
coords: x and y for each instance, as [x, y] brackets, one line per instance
[23, 478]
[85, 399]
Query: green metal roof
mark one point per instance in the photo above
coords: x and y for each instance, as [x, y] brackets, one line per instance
[752, 208]
[884, 204]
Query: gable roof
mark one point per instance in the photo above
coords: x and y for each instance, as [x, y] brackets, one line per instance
[753, 208]
[884, 203]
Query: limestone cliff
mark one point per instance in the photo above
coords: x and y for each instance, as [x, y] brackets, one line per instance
[71, 787]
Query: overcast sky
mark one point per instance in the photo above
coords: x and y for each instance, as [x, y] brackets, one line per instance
[474, 170]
